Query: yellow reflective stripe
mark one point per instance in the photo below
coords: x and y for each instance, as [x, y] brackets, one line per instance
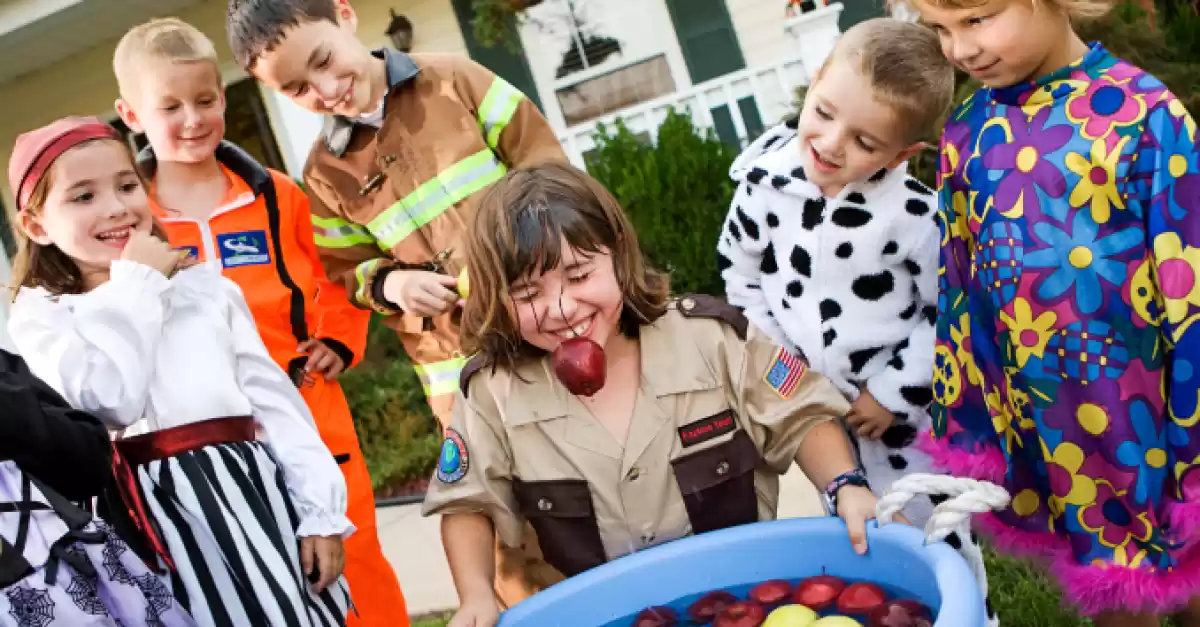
[361, 272]
[497, 109]
[434, 197]
[440, 377]
[338, 233]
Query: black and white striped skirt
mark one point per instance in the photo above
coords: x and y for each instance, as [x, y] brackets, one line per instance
[230, 529]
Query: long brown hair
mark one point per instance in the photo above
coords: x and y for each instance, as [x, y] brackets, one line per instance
[48, 266]
[519, 228]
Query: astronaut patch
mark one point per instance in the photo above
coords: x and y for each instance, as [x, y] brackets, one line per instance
[454, 459]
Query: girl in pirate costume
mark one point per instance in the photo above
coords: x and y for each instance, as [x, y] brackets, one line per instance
[221, 478]
[58, 566]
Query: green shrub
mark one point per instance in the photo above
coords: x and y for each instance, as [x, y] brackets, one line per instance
[676, 192]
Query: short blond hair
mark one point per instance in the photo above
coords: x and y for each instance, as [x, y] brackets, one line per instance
[163, 39]
[904, 64]
[1082, 9]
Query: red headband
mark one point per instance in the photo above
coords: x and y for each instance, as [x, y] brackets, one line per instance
[36, 150]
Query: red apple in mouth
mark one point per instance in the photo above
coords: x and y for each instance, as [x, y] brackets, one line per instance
[818, 592]
[860, 598]
[656, 617]
[771, 593]
[579, 363]
[706, 608]
[900, 613]
[741, 614]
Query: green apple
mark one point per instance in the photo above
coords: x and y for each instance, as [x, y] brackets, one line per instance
[836, 621]
[791, 616]
[464, 286]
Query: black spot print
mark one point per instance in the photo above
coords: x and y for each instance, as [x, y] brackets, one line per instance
[900, 416]
[912, 267]
[929, 313]
[916, 206]
[799, 173]
[899, 436]
[735, 231]
[786, 305]
[844, 250]
[897, 362]
[851, 217]
[756, 175]
[795, 289]
[897, 462]
[768, 265]
[753, 286]
[793, 122]
[859, 359]
[772, 220]
[801, 262]
[918, 187]
[749, 190]
[856, 198]
[770, 142]
[873, 286]
[830, 309]
[917, 395]
[829, 336]
[723, 263]
[814, 208]
[907, 314]
[770, 314]
[878, 176]
[779, 182]
[890, 248]
[748, 225]
[954, 541]
[938, 499]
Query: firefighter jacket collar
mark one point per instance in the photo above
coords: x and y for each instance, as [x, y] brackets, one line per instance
[337, 129]
[228, 154]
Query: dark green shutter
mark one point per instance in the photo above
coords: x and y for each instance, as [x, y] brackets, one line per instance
[855, 11]
[499, 59]
[705, 32]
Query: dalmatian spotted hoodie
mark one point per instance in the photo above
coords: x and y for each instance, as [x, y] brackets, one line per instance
[850, 281]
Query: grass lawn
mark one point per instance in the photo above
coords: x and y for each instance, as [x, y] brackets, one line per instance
[1021, 593]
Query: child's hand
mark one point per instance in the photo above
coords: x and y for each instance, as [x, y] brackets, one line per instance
[148, 250]
[424, 294]
[868, 417]
[330, 558]
[856, 505]
[322, 359]
[481, 612]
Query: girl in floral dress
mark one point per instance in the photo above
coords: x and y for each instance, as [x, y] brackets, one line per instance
[1068, 343]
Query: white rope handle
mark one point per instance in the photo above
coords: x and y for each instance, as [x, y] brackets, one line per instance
[952, 516]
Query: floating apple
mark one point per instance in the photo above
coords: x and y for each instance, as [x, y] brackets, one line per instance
[837, 621]
[818, 592]
[771, 593]
[900, 613]
[741, 614]
[579, 363]
[706, 608]
[464, 284]
[791, 616]
[860, 598]
[656, 617]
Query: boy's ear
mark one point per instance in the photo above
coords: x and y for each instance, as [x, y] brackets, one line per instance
[32, 228]
[908, 153]
[346, 15]
[128, 115]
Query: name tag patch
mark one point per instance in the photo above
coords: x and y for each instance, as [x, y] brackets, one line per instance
[783, 375]
[706, 429]
[454, 459]
[247, 248]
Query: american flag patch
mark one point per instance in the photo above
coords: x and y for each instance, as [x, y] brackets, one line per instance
[784, 373]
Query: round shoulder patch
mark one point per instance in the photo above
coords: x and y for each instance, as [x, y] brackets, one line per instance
[454, 460]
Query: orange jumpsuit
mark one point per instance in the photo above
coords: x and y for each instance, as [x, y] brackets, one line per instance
[267, 248]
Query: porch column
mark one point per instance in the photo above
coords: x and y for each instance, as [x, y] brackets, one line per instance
[815, 33]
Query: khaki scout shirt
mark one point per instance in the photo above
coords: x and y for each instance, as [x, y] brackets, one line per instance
[403, 195]
[718, 417]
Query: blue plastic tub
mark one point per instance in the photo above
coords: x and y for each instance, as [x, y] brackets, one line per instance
[898, 560]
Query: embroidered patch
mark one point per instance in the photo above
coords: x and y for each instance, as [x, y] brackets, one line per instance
[454, 460]
[191, 251]
[247, 248]
[706, 429]
[783, 375]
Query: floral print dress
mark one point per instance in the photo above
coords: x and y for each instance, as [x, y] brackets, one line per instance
[1068, 338]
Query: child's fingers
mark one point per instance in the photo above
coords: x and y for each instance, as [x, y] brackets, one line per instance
[323, 361]
[858, 533]
[307, 551]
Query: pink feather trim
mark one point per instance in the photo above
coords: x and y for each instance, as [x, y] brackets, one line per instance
[1183, 519]
[985, 465]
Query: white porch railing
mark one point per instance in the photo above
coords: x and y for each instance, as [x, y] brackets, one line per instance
[771, 88]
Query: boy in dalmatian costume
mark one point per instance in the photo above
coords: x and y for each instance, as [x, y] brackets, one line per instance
[832, 248]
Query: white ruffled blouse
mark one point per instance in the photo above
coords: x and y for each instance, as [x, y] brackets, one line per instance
[146, 353]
